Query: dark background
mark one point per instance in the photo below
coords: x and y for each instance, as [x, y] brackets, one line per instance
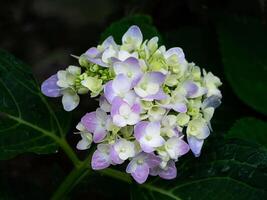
[44, 33]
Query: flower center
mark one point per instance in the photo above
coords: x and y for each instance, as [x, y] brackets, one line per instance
[140, 161]
[129, 74]
[143, 86]
[122, 150]
[148, 137]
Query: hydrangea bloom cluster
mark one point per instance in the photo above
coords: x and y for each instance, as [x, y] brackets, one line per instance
[154, 106]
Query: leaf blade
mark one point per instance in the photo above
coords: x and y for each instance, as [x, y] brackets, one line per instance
[234, 170]
[249, 129]
[28, 123]
[243, 47]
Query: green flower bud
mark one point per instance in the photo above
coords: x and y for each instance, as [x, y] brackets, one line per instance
[146, 104]
[127, 131]
[182, 119]
[171, 80]
[93, 84]
[166, 89]
[153, 44]
[193, 111]
[196, 73]
[94, 68]
[83, 61]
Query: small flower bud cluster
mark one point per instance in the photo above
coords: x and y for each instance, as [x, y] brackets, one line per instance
[154, 106]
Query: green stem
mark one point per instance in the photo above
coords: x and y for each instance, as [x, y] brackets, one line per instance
[80, 172]
[116, 175]
[71, 181]
[69, 152]
[61, 141]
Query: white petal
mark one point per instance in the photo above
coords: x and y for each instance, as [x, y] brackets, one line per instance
[119, 121]
[83, 145]
[195, 145]
[152, 88]
[70, 100]
[125, 110]
[80, 127]
[108, 53]
[101, 115]
[133, 119]
[121, 84]
[133, 36]
[156, 141]
[153, 128]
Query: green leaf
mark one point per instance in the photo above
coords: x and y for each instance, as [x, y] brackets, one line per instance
[27, 123]
[250, 129]
[118, 28]
[232, 170]
[244, 54]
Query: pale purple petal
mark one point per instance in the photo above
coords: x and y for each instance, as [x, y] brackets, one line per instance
[131, 98]
[139, 166]
[156, 77]
[115, 106]
[195, 145]
[175, 51]
[93, 55]
[153, 127]
[170, 172]
[141, 173]
[160, 95]
[133, 67]
[132, 61]
[191, 88]
[100, 160]
[212, 101]
[113, 60]
[92, 52]
[50, 88]
[121, 84]
[205, 132]
[139, 129]
[97, 61]
[177, 132]
[115, 156]
[89, 121]
[179, 107]
[109, 93]
[99, 135]
[146, 148]
[135, 34]
[136, 108]
[183, 147]
[132, 165]
[154, 171]
[109, 41]
[152, 160]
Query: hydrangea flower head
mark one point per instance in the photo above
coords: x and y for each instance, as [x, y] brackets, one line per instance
[154, 106]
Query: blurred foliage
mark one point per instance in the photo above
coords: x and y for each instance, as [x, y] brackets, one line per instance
[249, 129]
[225, 170]
[225, 37]
[243, 45]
